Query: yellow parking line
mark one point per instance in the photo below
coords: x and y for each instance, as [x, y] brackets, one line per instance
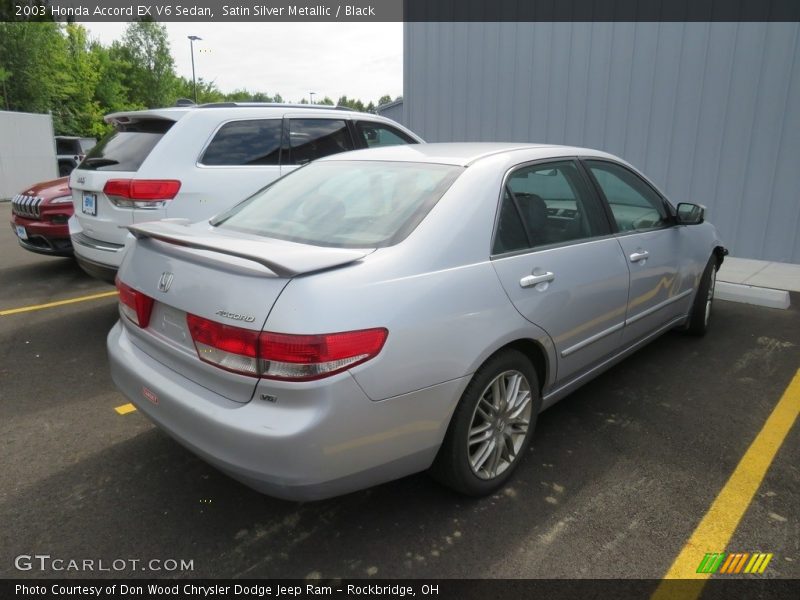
[14, 311]
[720, 522]
[125, 409]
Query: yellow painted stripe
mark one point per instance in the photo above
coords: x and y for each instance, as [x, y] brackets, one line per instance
[14, 311]
[720, 522]
[757, 558]
[765, 563]
[125, 409]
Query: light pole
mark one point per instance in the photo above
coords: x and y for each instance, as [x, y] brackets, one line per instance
[311, 96]
[192, 40]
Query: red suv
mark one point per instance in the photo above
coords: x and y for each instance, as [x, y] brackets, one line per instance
[39, 217]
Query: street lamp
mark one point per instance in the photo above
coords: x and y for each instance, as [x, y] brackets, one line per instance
[311, 96]
[192, 40]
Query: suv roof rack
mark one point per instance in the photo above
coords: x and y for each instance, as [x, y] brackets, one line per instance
[272, 104]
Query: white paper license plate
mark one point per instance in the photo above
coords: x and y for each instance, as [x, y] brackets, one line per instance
[23, 235]
[89, 206]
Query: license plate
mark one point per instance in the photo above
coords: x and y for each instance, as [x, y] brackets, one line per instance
[89, 206]
[23, 235]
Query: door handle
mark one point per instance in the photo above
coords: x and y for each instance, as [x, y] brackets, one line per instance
[532, 280]
[637, 256]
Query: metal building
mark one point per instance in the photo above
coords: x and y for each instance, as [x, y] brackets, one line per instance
[709, 110]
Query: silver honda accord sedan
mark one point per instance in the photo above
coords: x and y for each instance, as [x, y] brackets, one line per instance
[387, 311]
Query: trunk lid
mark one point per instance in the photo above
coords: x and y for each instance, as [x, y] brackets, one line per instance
[233, 279]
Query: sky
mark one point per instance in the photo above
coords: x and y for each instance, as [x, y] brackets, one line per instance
[357, 60]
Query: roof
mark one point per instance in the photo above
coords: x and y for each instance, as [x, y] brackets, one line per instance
[461, 154]
[173, 113]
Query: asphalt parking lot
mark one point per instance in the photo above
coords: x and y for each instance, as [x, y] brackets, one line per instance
[618, 477]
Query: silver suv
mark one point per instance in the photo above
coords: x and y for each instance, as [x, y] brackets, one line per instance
[192, 162]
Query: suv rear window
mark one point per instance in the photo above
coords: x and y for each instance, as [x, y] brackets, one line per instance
[126, 148]
[68, 147]
[344, 204]
[252, 142]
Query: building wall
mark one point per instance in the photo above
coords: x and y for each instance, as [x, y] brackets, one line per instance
[709, 111]
[27, 151]
[393, 111]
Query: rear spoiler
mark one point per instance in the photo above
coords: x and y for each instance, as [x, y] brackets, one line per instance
[285, 259]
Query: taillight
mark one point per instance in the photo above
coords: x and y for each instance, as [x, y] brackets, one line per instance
[282, 356]
[134, 304]
[305, 357]
[230, 348]
[141, 193]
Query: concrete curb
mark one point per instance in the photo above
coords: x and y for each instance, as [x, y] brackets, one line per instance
[750, 294]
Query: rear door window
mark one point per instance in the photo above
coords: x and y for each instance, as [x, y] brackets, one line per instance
[126, 148]
[545, 204]
[375, 135]
[310, 139]
[245, 143]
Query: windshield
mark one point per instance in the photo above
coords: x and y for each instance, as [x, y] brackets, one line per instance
[344, 204]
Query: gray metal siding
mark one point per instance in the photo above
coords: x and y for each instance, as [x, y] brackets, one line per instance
[393, 111]
[709, 111]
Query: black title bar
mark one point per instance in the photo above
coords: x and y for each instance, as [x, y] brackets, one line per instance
[401, 10]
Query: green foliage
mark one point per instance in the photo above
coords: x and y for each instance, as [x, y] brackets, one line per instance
[49, 67]
[150, 76]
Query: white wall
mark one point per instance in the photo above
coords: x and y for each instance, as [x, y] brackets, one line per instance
[27, 151]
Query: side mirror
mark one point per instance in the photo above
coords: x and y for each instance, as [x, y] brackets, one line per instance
[690, 214]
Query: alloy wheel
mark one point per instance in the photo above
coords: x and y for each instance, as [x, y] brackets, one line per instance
[499, 424]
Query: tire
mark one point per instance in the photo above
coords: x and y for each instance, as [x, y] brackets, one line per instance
[700, 316]
[496, 426]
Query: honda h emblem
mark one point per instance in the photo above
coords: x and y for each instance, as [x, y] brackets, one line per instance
[165, 281]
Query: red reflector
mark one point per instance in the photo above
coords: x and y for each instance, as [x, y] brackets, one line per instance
[139, 305]
[142, 189]
[321, 348]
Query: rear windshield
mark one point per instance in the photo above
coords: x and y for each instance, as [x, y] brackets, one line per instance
[126, 148]
[68, 147]
[344, 204]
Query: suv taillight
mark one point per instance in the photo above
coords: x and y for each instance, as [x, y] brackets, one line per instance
[282, 356]
[141, 193]
[134, 304]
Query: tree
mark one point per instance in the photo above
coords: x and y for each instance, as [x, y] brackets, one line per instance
[77, 111]
[4, 76]
[151, 79]
[33, 55]
[326, 101]
[385, 99]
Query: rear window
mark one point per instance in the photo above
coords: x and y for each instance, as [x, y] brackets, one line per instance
[68, 147]
[344, 204]
[126, 148]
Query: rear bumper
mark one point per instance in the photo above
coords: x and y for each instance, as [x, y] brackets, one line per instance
[318, 439]
[98, 258]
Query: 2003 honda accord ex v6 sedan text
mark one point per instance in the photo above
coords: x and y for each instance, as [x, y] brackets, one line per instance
[381, 312]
